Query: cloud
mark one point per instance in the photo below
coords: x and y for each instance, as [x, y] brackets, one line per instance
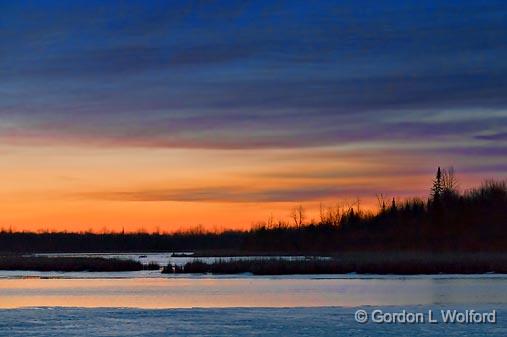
[241, 75]
[385, 171]
[234, 194]
[499, 136]
[248, 131]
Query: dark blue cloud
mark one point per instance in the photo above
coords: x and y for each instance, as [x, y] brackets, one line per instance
[241, 74]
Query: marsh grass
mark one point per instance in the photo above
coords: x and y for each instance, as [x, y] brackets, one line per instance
[361, 263]
[92, 264]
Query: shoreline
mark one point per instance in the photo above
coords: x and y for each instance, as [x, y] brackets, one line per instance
[360, 263]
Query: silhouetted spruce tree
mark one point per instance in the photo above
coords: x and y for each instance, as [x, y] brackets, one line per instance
[436, 207]
[436, 190]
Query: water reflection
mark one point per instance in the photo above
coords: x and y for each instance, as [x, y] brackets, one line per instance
[250, 292]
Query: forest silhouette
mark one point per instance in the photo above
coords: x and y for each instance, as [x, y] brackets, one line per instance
[449, 220]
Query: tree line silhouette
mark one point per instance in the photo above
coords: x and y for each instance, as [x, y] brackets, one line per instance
[474, 220]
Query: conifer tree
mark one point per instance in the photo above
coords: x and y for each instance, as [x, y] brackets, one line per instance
[436, 190]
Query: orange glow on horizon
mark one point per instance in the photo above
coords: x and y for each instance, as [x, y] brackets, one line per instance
[86, 188]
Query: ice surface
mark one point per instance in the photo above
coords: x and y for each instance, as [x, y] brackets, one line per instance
[323, 321]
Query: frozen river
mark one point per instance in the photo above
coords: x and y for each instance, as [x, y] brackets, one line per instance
[148, 303]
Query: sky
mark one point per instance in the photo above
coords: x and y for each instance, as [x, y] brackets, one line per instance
[147, 115]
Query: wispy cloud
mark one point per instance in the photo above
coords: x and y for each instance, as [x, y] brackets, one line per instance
[499, 136]
[234, 194]
[109, 70]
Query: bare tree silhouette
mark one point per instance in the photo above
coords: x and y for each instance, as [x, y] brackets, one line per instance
[298, 215]
[449, 181]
